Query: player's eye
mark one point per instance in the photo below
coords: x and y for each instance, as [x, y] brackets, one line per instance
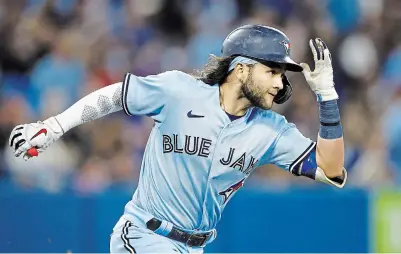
[273, 72]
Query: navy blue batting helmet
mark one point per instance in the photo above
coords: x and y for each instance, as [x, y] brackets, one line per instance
[266, 45]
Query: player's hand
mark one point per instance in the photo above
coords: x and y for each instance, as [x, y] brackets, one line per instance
[34, 135]
[321, 79]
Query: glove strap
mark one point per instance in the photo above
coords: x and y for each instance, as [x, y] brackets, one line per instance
[55, 126]
[326, 95]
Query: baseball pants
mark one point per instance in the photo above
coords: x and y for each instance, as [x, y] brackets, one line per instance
[130, 238]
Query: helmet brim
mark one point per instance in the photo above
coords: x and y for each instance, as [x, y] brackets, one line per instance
[287, 62]
[290, 65]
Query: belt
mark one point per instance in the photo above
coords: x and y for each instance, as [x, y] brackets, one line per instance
[179, 235]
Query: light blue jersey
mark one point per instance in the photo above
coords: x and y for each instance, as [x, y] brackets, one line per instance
[196, 158]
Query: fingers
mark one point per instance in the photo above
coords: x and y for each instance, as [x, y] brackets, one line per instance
[15, 133]
[306, 70]
[321, 53]
[32, 152]
[305, 67]
[22, 149]
[322, 44]
[319, 47]
[26, 157]
[19, 143]
[314, 48]
[326, 52]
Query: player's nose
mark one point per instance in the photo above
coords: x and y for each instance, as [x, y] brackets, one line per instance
[278, 83]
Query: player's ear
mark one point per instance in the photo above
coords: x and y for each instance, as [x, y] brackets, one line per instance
[239, 71]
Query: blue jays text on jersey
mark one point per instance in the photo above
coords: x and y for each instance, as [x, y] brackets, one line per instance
[196, 158]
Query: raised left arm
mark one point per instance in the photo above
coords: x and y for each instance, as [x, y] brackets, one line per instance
[330, 143]
[330, 156]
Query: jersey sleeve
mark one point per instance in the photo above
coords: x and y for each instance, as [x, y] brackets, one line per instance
[147, 96]
[290, 148]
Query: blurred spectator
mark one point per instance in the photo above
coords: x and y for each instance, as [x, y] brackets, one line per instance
[57, 78]
[391, 87]
[392, 134]
[94, 177]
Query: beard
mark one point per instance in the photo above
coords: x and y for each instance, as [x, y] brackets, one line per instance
[254, 94]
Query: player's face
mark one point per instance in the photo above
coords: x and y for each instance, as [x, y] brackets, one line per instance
[262, 84]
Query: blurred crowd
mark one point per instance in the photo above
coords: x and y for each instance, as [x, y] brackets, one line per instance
[53, 52]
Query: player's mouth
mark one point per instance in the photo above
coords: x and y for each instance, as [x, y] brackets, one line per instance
[272, 94]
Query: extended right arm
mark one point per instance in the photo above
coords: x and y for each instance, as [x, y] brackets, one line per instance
[142, 96]
[91, 107]
[99, 103]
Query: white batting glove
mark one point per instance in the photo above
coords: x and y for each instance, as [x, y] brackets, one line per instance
[321, 79]
[34, 135]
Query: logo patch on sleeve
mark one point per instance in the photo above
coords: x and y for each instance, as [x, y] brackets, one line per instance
[230, 190]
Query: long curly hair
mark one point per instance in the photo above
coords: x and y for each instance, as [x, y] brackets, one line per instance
[215, 70]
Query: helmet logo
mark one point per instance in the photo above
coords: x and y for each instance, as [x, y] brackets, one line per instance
[286, 46]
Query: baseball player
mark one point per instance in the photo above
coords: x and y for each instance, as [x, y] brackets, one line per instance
[210, 133]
